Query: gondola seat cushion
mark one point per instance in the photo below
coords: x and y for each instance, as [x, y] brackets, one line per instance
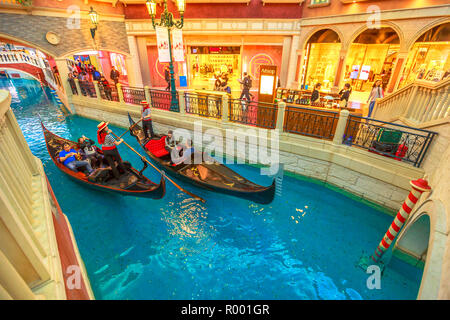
[157, 147]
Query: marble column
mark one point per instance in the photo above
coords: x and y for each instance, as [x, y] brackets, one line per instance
[133, 64]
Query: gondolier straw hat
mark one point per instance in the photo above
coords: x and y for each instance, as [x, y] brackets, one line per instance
[144, 102]
[102, 125]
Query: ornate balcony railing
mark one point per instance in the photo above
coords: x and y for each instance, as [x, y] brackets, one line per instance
[161, 99]
[133, 95]
[310, 122]
[395, 141]
[203, 105]
[418, 103]
[387, 139]
[87, 89]
[108, 92]
[253, 113]
[9, 57]
[73, 86]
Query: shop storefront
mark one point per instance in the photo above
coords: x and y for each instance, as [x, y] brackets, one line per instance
[428, 59]
[103, 61]
[321, 60]
[207, 63]
[371, 57]
[203, 63]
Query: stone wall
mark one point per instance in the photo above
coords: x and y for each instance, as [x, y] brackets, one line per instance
[31, 29]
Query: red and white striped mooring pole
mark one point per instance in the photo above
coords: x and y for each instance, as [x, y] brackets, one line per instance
[418, 187]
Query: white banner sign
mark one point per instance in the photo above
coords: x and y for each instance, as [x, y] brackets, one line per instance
[162, 40]
[177, 45]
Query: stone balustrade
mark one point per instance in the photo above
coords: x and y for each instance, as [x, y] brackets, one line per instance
[416, 104]
[11, 57]
[30, 265]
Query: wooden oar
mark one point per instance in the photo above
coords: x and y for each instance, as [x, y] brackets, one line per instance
[130, 128]
[176, 185]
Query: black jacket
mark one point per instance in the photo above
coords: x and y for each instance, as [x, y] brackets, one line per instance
[345, 94]
[315, 95]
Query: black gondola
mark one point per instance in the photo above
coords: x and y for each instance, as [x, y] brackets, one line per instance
[211, 176]
[131, 183]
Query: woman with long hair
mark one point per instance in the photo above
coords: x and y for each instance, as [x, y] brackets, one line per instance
[344, 95]
[376, 93]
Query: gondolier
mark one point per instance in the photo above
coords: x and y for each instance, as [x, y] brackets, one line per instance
[108, 143]
[147, 119]
[130, 183]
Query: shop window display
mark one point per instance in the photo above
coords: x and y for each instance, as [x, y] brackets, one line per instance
[205, 63]
[321, 60]
[322, 64]
[368, 62]
[428, 59]
[371, 57]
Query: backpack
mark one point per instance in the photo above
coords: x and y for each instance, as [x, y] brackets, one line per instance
[248, 82]
[96, 75]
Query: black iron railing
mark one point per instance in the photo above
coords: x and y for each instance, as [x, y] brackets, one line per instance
[133, 95]
[161, 99]
[87, 88]
[253, 113]
[396, 141]
[203, 105]
[310, 122]
[108, 92]
[73, 86]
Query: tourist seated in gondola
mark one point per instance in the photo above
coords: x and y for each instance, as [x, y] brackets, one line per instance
[68, 156]
[169, 141]
[188, 151]
[89, 152]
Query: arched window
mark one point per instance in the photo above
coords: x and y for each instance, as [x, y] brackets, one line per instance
[428, 58]
[322, 58]
[371, 57]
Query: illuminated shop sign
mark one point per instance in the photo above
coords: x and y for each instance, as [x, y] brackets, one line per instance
[364, 75]
[267, 82]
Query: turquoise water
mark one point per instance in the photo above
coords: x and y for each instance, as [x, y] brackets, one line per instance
[304, 245]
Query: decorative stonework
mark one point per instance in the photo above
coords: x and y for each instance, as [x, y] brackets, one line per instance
[284, 26]
[31, 29]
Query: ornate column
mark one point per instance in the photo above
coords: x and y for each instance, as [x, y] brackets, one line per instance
[97, 90]
[280, 116]
[63, 70]
[339, 70]
[77, 85]
[225, 110]
[143, 65]
[341, 125]
[293, 62]
[133, 65]
[120, 93]
[147, 95]
[396, 72]
[182, 101]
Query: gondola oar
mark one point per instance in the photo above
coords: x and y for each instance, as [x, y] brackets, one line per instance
[176, 185]
[130, 128]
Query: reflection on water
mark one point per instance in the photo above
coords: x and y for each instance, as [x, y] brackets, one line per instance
[304, 245]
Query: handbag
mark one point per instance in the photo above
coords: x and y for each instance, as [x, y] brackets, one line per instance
[343, 103]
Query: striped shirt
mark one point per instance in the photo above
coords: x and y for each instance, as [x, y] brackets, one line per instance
[109, 141]
[146, 113]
